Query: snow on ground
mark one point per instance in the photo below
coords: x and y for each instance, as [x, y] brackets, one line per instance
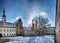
[38, 39]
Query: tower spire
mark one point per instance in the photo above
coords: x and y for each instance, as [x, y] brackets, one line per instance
[3, 16]
[4, 12]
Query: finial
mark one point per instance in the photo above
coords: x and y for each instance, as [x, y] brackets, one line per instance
[3, 10]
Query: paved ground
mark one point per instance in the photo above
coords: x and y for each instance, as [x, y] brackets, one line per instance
[4, 40]
[8, 39]
[21, 39]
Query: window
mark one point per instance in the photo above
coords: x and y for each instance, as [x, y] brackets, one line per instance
[10, 30]
[4, 34]
[7, 34]
[0, 30]
[7, 30]
[4, 30]
[10, 33]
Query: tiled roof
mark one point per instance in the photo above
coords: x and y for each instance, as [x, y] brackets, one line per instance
[7, 24]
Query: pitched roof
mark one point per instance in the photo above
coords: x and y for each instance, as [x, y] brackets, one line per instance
[7, 24]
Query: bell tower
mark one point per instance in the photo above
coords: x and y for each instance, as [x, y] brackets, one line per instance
[3, 16]
[19, 29]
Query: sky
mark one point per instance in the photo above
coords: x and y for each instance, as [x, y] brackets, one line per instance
[28, 9]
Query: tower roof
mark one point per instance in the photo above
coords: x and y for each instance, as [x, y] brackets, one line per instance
[4, 13]
[19, 19]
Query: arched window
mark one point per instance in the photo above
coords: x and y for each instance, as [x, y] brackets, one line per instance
[4, 34]
[10, 30]
[0, 30]
[7, 34]
[7, 30]
[4, 30]
[10, 34]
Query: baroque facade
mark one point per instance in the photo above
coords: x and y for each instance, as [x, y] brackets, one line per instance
[17, 29]
[7, 28]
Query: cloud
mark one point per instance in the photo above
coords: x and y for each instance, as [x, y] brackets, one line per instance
[0, 19]
[36, 10]
[33, 12]
[43, 13]
[17, 17]
[51, 22]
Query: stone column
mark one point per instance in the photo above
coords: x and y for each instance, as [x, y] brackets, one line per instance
[57, 21]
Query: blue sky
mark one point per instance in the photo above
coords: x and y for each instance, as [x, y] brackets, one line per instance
[28, 9]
